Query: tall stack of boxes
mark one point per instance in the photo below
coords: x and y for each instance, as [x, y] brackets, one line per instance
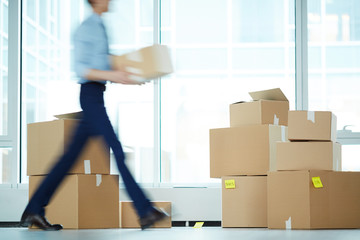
[89, 196]
[243, 154]
[307, 190]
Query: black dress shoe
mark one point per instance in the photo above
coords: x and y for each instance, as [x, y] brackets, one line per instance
[28, 220]
[155, 215]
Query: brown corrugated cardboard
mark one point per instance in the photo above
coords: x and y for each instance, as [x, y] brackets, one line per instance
[148, 63]
[308, 156]
[309, 125]
[268, 107]
[244, 205]
[295, 203]
[245, 150]
[83, 201]
[129, 218]
[48, 140]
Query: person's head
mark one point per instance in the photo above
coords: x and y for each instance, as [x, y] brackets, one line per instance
[99, 6]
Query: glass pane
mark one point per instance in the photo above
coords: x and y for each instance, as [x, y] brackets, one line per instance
[350, 157]
[5, 17]
[4, 69]
[130, 26]
[30, 6]
[122, 25]
[43, 13]
[5, 165]
[50, 85]
[334, 59]
[196, 22]
[4, 104]
[218, 60]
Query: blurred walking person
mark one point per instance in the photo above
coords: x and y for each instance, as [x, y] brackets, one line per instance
[92, 65]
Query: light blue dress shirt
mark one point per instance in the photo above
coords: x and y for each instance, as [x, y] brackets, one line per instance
[91, 47]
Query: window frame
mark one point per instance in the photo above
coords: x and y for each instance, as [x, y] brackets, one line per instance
[13, 139]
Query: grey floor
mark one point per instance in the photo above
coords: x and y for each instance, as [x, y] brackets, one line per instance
[183, 233]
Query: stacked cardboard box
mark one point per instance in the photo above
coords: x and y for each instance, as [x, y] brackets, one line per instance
[308, 191]
[243, 154]
[146, 63]
[89, 196]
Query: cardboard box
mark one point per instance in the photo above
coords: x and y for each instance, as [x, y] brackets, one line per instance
[83, 201]
[245, 150]
[308, 156]
[129, 218]
[147, 63]
[309, 125]
[295, 203]
[47, 141]
[244, 201]
[268, 107]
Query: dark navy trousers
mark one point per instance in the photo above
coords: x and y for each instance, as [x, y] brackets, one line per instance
[95, 121]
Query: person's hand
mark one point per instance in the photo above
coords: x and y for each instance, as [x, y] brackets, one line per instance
[122, 77]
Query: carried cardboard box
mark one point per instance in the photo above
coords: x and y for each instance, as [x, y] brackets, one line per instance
[129, 218]
[245, 150]
[244, 201]
[83, 201]
[313, 199]
[310, 125]
[268, 107]
[47, 141]
[308, 156]
[147, 63]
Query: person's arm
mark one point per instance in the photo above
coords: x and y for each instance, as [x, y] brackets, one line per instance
[114, 76]
[82, 44]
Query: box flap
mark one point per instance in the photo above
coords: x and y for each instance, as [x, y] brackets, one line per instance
[74, 115]
[270, 94]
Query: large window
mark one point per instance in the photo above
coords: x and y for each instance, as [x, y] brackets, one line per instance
[5, 150]
[50, 85]
[334, 59]
[130, 27]
[221, 51]
[4, 68]
[334, 68]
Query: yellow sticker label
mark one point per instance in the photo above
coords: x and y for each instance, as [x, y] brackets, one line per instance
[198, 224]
[317, 182]
[230, 183]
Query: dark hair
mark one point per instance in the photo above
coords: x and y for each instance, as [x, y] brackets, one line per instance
[90, 2]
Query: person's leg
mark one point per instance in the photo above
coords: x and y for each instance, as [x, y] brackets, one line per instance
[102, 124]
[43, 194]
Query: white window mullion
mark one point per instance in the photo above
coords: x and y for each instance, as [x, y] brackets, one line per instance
[14, 87]
[157, 99]
[301, 52]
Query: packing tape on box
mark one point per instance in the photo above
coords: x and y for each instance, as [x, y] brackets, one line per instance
[138, 78]
[288, 224]
[311, 116]
[283, 138]
[87, 167]
[276, 120]
[98, 179]
[135, 56]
